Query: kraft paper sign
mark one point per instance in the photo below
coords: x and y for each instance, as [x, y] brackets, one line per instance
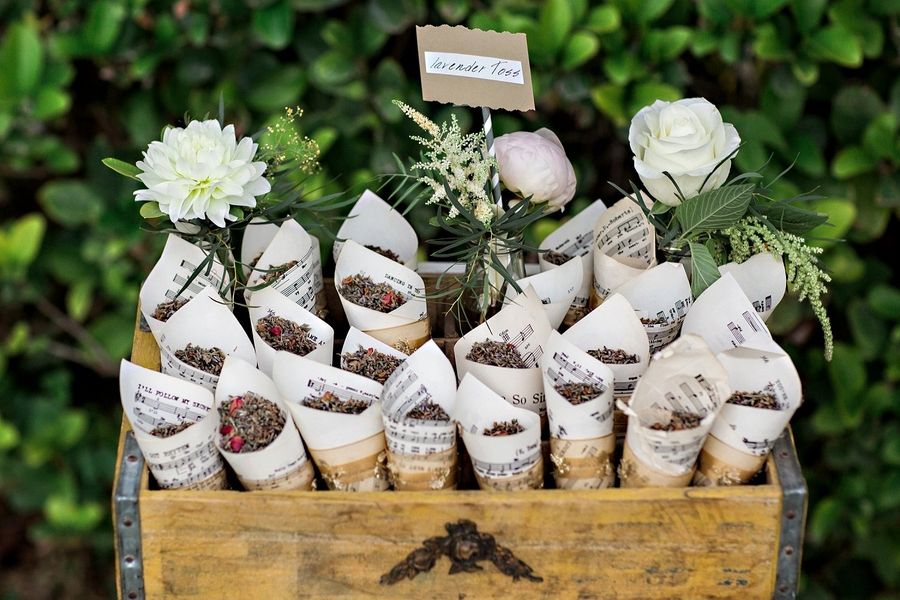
[474, 67]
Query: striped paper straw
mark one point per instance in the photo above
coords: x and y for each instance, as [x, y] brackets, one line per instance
[489, 137]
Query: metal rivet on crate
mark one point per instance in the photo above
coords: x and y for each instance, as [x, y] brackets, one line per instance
[129, 559]
[132, 458]
[788, 550]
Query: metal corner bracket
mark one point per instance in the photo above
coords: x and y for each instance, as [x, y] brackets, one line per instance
[793, 517]
[128, 521]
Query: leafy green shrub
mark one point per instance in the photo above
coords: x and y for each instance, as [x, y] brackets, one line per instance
[805, 81]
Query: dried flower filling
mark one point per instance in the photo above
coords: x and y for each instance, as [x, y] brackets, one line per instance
[556, 258]
[614, 356]
[328, 402]
[656, 321]
[362, 291]
[578, 393]
[370, 363]
[284, 334]
[170, 429]
[755, 400]
[208, 360]
[428, 411]
[249, 423]
[276, 271]
[496, 354]
[165, 310]
[679, 421]
[502, 428]
[385, 252]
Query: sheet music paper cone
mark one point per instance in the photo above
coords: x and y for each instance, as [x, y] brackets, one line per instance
[421, 452]
[205, 322]
[556, 289]
[175, 266]
[268, 301]
[302, 283]
[506, 463]
[356, 339]
[581, 435]
[283, 464]
[185, 460]
[684, 377]
[615, 325]
[661, 297]
[374, 222]
[258, 234]
[575, 238]
[742, 436]
[524, 324]
[406, 326]
[763, 280]
[348, 449]
[624, 246]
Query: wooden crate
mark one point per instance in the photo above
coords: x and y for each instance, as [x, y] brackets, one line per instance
[739, 542]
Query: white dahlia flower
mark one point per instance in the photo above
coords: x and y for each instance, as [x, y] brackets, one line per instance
[201, 171]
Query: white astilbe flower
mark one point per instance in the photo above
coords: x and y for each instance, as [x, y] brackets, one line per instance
[457, 160]
[200, 172]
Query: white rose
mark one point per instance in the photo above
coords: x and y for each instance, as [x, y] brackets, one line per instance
[535, 165]
[687, 139]
[201, 171]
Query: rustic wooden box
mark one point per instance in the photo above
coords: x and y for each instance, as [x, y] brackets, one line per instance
[739, 542]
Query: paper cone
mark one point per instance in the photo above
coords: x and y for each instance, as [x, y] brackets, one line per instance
[258, 234]
[725, 318]
[423, 472]
[357, 467]
[556, 289]
[634, 473]
[624, 246]
[374, 222]
[762, 278]
[661, 292]
[722, 465]
[302, 284]
[583, 464]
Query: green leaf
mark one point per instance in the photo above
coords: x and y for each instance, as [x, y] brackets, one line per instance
[704, 271]
[808, 13]
[79, 300]
[554, 25]
[604, 19]
[650, 10]
[609, 99]
[791, 218]
[885, 301]
[853, 108]
[20, 242]
[582, 47]
[852, 161]
[21, 59]
[50, 103]
[277, 89]
[122, 168]
[836, 44]
[868, 329]
[274, 25]
[150, 210]
[666, 44]
[841, 215]
[101, 29]
[848, 380]
[825, 516]
[768, 45]
[879, 138]
[766, 8]
[715, 209]
[646, 93]
[70, 202]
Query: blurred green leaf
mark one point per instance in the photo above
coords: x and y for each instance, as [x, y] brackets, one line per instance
[604, 19]
[885, 300]
[581, 47]
[851, 161]
[841, 214]
[104, 21]
[274, 24]
[836, 44]
[21, 59]
[848, 377]
[808, 13]
[825, 516]
[609, 99]
[19, 244]
[70, 202]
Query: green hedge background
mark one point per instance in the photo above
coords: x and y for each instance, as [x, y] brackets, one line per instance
[805, 80]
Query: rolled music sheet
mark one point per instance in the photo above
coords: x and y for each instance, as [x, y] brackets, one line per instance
[269, 301]
[348, 449]
[406, 326]
[742, 436]
[624, 246]
[725, 318]
[556, 288]
[175, 266]
[683, 380]
[205, 322]
[188, 459]
[374, 222]
[581, 435]
[523, 324]
[762, 278]
[615, 325]
[258, 234]
[421, 451]
[283, 464]
[575, 238]
[661, 297]
[507, 463]
[301, 283]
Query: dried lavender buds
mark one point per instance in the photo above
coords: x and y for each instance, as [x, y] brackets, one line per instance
[164, 310]
[578, 393]
[284, 334]
[276, 271]
[501, 428]
[679, 421]
[370, 363]
[331, 403]
[361, 290]
[209, 360]
[170, 429]
[385, 252]
[656, 321]
[614, 356]
[249, 422]
[496, 354]
[755, 400]
[428, 411]
[556, 258]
